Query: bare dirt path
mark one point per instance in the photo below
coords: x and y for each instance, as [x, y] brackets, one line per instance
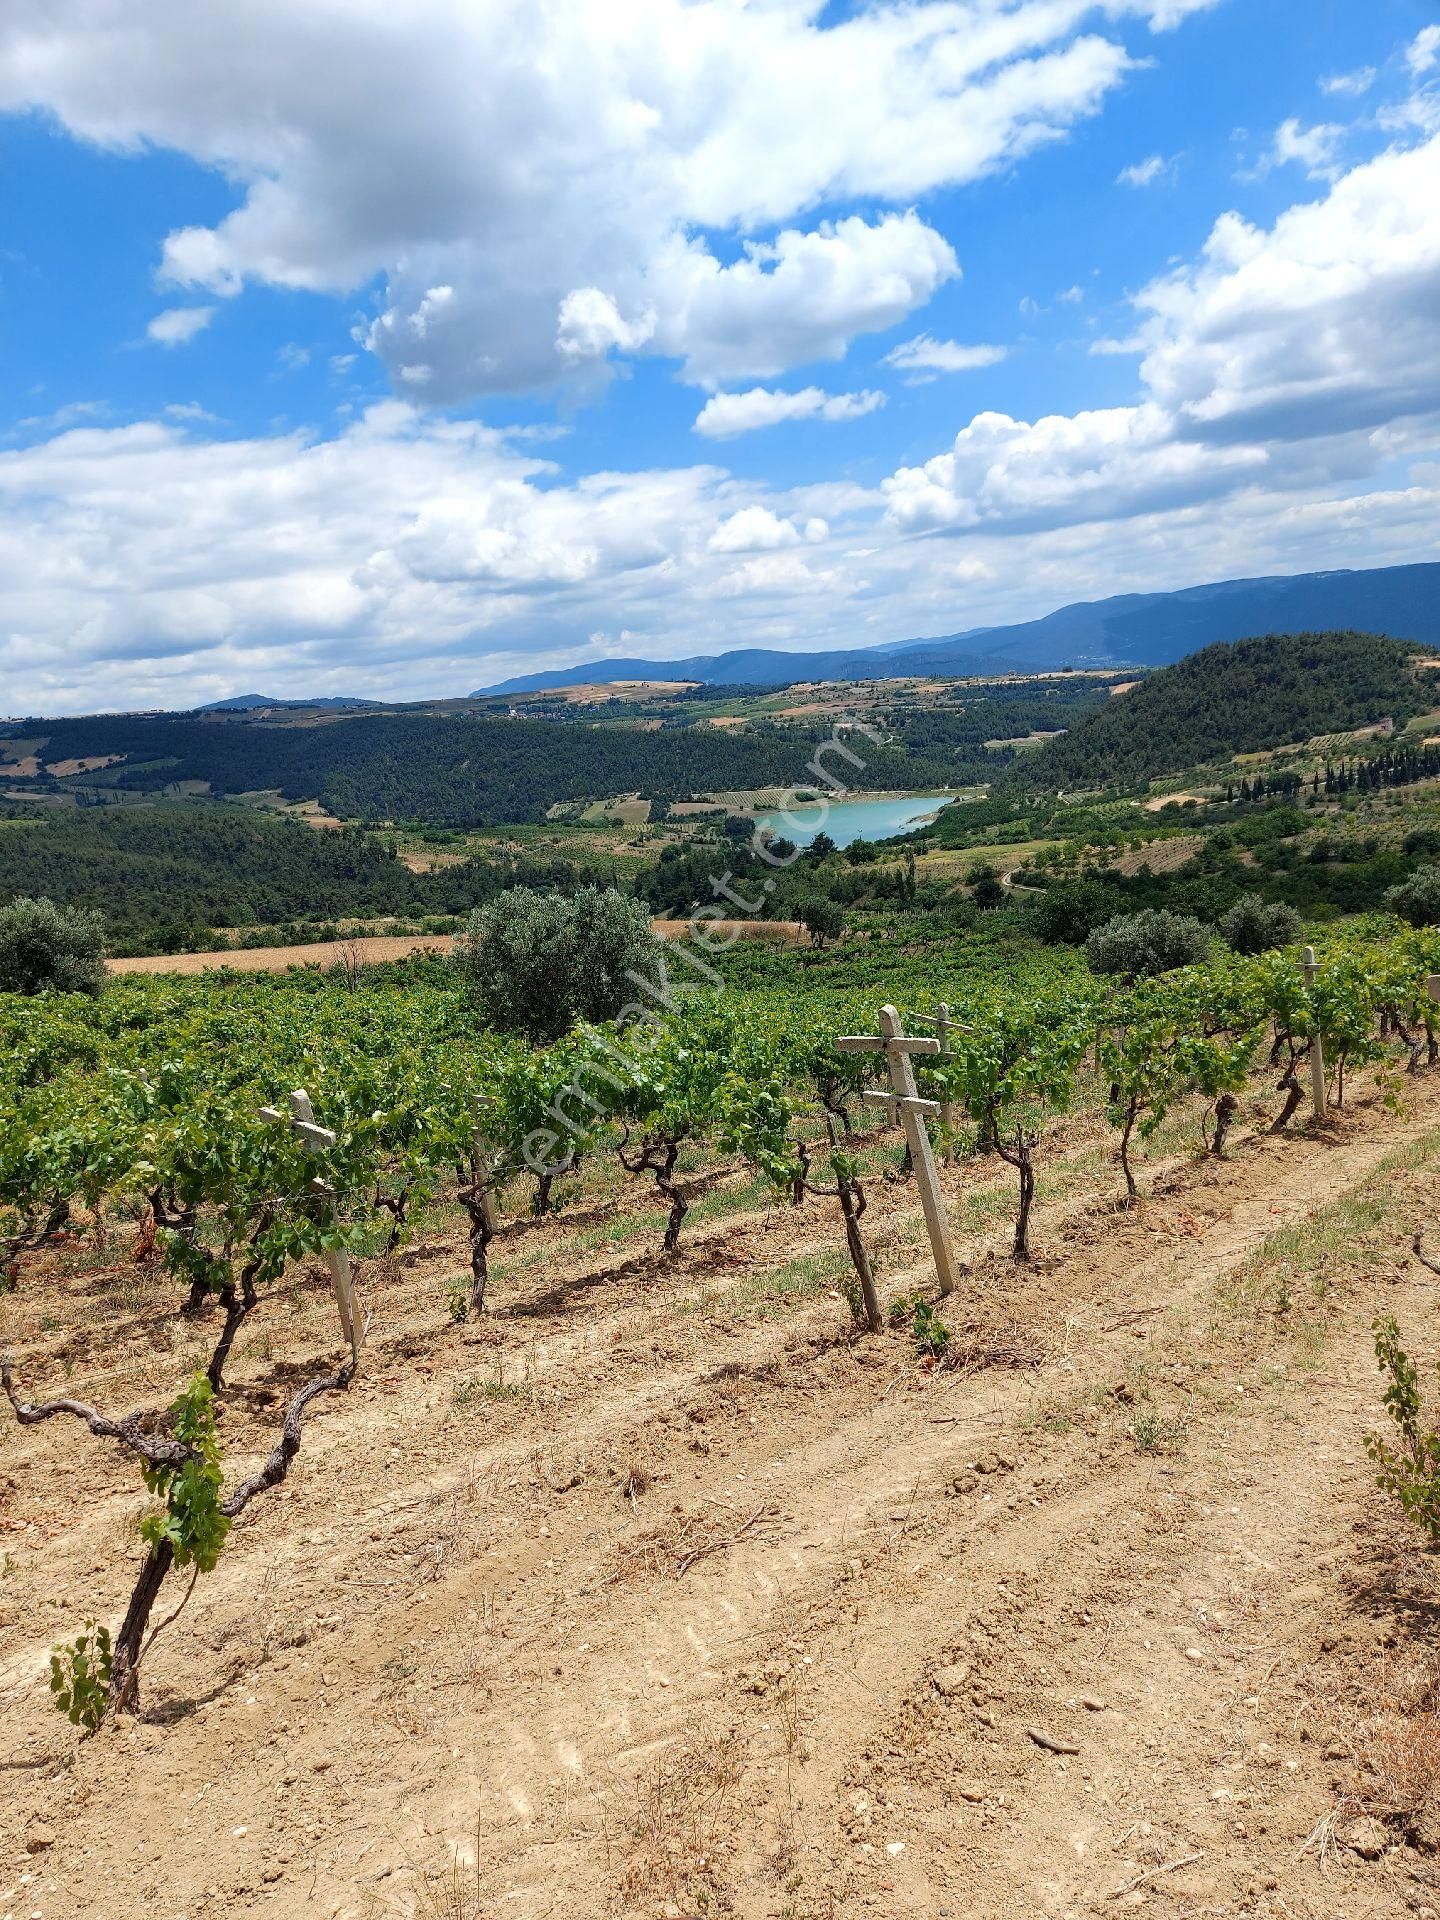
[469, 1654]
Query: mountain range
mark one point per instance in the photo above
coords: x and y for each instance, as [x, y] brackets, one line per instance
[1129, 630]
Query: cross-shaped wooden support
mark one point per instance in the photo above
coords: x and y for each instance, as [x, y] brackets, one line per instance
[316, 1139]
[940, 1020]
[903, 1100]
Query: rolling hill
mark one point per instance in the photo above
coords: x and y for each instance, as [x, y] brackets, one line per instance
[1233, 699]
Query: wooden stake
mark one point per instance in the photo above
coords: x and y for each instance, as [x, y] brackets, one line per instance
[1317, 1053]
[940, 1020]
[902, 1099]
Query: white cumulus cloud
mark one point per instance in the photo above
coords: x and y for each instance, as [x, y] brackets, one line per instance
[1352, 84]
[759, 530]
[1313, 148]
[727, 414]
[407, 555]
[801, 297]
[176, 325]
[1293, 355]
[550, 170]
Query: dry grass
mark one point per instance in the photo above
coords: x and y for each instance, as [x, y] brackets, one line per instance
[681, 1818]
[1397, 1745]
[451, 1892]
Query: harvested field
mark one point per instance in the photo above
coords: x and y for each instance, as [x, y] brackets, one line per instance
[656, 1593]
[375, 947]
[775, 933]
[323, 953]
[62, 769]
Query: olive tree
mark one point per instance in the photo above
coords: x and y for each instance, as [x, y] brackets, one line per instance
[1254, 925]
[48, 948]
[1418, 898]
[537, 962]
[1136, 946]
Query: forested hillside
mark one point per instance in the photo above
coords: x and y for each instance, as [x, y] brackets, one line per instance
[472, 771]
[153, 870]
[1233, 699]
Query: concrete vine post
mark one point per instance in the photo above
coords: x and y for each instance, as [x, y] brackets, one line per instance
[903, 1101]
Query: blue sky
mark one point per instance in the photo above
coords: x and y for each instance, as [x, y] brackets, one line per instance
[534, 335]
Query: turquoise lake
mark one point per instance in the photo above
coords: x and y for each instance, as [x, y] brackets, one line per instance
[848, 820]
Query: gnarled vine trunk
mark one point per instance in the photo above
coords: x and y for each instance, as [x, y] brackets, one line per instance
[1294, 1094]
[676, 1195]
[1226, 1108]
[237, 1301]
[129, 1642]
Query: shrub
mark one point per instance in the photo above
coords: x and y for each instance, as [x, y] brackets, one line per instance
[537, 962]
[1137, 945]
[43, 946]
[1418, 898]
[1254, 925]
[927, 1329]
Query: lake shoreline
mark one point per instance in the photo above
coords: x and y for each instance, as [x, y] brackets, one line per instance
[876, 817]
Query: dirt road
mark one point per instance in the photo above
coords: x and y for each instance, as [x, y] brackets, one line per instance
[654, 1593]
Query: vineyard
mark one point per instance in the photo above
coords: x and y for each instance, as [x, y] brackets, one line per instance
[592, 1271]
[154, 1105]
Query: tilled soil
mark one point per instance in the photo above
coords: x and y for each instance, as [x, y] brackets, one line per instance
[658, 1593]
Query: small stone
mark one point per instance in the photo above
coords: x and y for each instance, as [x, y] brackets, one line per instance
[948, 1681]
[1091, 1702]
[1366, 1836]
[1193, 1653]
[973, 1794]
[39, 1838]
